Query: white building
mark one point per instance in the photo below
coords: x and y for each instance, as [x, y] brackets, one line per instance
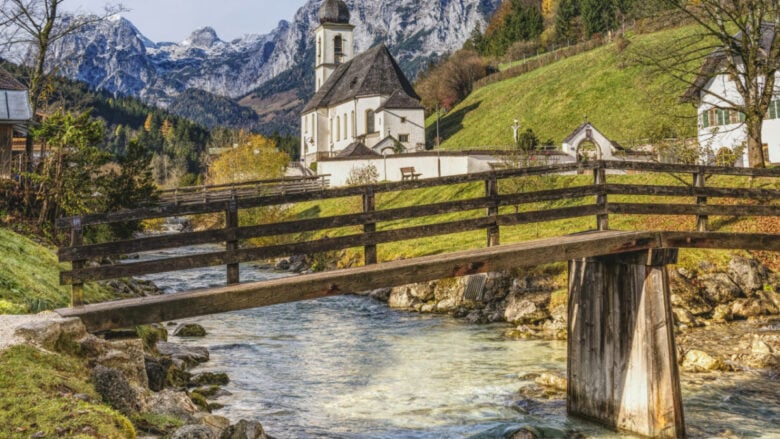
[722, 127]
[359, 99]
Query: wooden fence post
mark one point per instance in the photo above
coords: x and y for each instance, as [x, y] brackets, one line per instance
[699, 181]
[600, 178]
[231, 223]
[369, 205]
[76, 240]
[491, 191]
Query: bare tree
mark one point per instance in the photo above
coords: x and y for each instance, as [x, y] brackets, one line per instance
[36, 25]
[736, 38]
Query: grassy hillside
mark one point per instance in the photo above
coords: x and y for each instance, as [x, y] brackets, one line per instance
[29, 277]
[626, 100]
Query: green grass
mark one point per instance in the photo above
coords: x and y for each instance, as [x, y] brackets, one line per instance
[626, 100]
[29, 278]
[38, 396]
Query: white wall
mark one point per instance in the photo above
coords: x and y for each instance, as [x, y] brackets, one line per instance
[410, 122]
[734, 135]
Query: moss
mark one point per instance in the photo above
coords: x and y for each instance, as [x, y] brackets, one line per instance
[39, 396]
[150, 423]
[150, 335]
[200, 401]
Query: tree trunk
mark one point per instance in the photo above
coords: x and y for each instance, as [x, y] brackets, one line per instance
[755, 145]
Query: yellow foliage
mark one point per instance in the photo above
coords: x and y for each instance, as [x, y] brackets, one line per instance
[254, 158]
[549, 8]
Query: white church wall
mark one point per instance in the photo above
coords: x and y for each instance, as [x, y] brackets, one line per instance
[389, 167]
[405, 122]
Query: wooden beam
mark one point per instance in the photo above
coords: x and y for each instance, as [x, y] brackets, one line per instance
[127, 313]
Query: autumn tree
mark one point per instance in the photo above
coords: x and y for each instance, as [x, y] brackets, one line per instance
[36, 25]
[735, 38]
[451, 80]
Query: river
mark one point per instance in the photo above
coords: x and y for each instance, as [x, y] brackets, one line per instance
[350, 367]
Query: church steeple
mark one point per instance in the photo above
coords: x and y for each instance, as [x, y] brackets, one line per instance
[333, 39]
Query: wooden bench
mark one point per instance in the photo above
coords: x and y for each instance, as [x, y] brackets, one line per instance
[409, 174]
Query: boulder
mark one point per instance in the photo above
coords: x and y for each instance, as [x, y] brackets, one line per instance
[552, 381]
[115, 390]
[50, 331]
[700, 361]
[244, 430]
[172, 403]
[722, 313]
[209, 379]
[401, 298]
[127, 356]
[747, 308]
[719, 288]
[190, 330]
[156, 374]
[526, 308]
[194, 432]
[382, 294]
[217, 424]
[749, 274]
[190, 355]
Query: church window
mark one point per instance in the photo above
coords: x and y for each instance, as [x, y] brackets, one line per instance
[338, 48]
[346, 131]
[403, 120]
[403, 138]
[354, 125]
[330, 131]
[319, 48]
[338, 128]
[370, 123]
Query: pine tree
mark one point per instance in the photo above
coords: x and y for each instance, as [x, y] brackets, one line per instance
[598, 16]
[567, 11]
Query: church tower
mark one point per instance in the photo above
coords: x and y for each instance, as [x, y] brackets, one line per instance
[333, 39]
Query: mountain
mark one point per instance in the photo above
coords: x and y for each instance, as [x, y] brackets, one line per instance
[272, 73]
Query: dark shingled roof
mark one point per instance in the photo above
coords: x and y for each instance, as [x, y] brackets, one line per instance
[401, 101]
[713, 64]
[371, 73]
[357, 149]
[333, 11]
[8, 82]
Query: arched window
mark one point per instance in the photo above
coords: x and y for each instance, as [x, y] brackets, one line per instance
[338, 128]
[354, 125]
[338, 49]
[346, 131]
[370, 128]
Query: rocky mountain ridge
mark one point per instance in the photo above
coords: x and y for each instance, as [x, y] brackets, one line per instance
[115, 56]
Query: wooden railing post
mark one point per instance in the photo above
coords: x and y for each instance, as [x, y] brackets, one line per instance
[76, 240]
[369, 205]
[491, 191]
[699, 181]
[600, 178]
[231, 222]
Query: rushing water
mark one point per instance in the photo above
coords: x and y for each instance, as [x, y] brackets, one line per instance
[349, 367]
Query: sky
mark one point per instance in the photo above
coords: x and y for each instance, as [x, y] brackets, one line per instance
[174, 20]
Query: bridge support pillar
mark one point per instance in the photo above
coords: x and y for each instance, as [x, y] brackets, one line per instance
[622, 365]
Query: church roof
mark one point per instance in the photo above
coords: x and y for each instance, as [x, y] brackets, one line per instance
[356, 149]
[400, 101]
[8, 82]
[371, 73]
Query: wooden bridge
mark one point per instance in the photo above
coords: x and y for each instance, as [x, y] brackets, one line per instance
[622, 359]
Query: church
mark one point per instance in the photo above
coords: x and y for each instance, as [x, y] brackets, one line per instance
[364, 104]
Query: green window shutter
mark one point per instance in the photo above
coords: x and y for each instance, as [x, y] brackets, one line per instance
[742, 117]
[720, 117]
[773, 110]
[705, 119]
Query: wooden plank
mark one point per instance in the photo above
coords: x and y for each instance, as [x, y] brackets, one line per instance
[133, 312]
[689, 169]
[721, 240]
[549, 215]
[369, 205]
[689, 191]
[161, 242]
[693, 209]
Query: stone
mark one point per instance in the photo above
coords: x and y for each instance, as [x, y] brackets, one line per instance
[552, 381]
[683, 317]
[749, 274]
[115, 389]
[190, 355]
[476, 317]
[700, 361]
[156, 374]
[194, 432]
[172, 403]
[448, 304]
[282, 265]
[722, 313]
[49, 332]
[382, 294]
[747, 308]
[127, 356]
[526, 309]
[719, 288]
[524, 433]
[401, 298]
[217, 424]
[190, 330]
[209, 379]
[245, 430]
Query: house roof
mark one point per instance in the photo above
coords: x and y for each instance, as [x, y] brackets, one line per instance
[14, 106]
[713, 64]
[371, 73]
[8, 82]
[356, 149]
[400, 101]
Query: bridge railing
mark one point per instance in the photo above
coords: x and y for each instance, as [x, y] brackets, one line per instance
[590, 200]
[222, 192]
